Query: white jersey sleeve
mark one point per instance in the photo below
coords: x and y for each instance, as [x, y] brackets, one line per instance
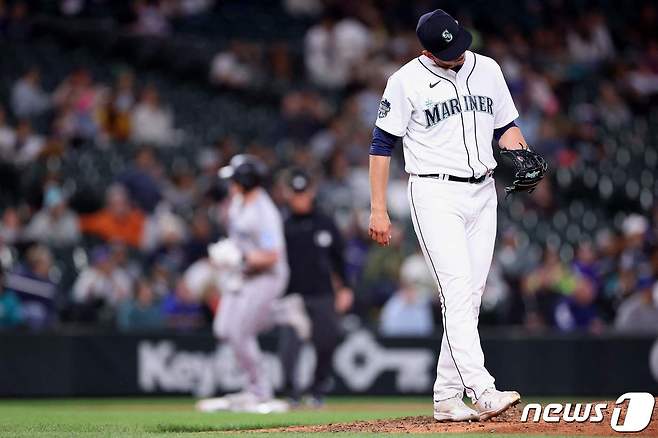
[505, 110]
[395, 108]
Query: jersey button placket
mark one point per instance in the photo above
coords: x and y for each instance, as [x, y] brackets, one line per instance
[468, 123]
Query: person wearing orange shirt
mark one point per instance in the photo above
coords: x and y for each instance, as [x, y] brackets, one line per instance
[118, 221]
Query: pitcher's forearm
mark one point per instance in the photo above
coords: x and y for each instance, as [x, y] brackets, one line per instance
[379, 168]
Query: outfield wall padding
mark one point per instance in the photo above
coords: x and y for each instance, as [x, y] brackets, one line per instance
[93, 364]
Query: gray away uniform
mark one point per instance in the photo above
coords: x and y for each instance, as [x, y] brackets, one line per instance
[256, 225]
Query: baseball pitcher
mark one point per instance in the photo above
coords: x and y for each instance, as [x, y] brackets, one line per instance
[447, 105]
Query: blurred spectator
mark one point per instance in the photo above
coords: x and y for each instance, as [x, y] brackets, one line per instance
[585, 262]
[333, 47]
[35, 289]
[10, 307]
[282, 64]
[381, 273]
[642, 80]
[409, 311]
[639, 312]
[27, 97]
[116, 114]
[71, 7]
[7, 137]
[611, 107]
[78, 99]
[589, 41]
[539, 93]
[577, 311]
[201, 235]
[170, 230]
[100, 287]
[162, 277]
[141, 312]
[231, 68]
[55, 224]
[311, 8]
[181, 190]
[496, 299]
[193, 7]
[182, 310]
[302, 115]
[11, 228]
[27, 145]
[150, 18]
[545, 286]
[118, 221]
[18, 26]
[414, 271]
[634, 256]
[143, 179]
[151, 122]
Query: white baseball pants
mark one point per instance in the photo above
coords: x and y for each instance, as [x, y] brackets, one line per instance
[456, 227]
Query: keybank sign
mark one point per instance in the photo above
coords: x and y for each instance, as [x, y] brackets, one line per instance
[362, 363]
[358, 362]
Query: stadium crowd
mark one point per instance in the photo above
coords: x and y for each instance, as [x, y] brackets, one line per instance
[578, 75]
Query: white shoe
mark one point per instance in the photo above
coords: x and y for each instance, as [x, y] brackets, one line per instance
[242, 402]
[295, 315]
[493, 402]
[229, 402]
[454, 409]
[267, 407]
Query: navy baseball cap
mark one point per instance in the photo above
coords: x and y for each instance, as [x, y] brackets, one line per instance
[442, 35]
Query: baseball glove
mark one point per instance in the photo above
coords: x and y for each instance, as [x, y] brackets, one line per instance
[529, 169]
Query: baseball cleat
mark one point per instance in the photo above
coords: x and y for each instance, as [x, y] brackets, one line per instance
[454, 409]
[493, 402]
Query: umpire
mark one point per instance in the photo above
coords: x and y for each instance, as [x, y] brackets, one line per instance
[317, 269]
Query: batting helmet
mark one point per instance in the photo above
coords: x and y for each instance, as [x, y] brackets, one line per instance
[245, 170]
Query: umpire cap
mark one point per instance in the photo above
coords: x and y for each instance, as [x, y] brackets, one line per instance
[442, 35]
[299, 180]
[245, 170]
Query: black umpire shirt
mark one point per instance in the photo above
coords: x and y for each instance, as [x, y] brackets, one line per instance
[315, 251]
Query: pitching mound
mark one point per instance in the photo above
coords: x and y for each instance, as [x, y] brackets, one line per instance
[507, 423]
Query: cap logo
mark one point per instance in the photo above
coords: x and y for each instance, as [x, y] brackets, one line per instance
[447, 36]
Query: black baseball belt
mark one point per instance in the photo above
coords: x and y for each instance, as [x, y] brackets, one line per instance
[445, 176]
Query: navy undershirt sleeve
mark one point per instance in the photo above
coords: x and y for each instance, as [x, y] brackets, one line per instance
[382, 142]
[500, 131]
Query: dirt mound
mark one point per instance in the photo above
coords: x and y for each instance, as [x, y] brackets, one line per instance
[507, 423]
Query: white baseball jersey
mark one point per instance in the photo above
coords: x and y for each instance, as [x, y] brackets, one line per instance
[447, 118]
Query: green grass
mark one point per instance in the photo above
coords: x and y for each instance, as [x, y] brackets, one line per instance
[175, 417]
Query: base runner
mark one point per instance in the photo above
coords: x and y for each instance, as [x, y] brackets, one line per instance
[255, 304]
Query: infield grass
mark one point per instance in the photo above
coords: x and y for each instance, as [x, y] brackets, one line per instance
[175, 417]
